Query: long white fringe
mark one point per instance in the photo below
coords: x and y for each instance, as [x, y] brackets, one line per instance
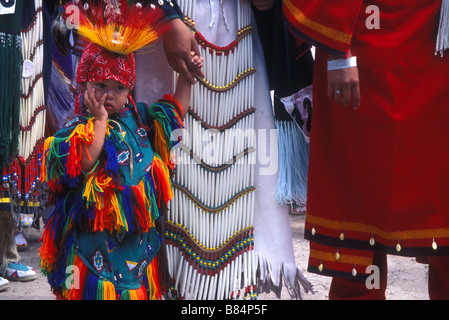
[214, 182]
[214, 191]
[443, 29]
[32, 86]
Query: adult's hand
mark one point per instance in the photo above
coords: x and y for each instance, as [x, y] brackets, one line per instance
[263, 5]
[343, 86]
[179, 42]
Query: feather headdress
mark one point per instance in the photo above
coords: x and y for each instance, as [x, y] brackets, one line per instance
[119, 27]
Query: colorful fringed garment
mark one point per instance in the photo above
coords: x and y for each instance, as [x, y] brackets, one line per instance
[102, 240]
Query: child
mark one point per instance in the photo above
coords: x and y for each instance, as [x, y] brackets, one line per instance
[109, 171]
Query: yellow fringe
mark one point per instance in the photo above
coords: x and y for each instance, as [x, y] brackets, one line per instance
[47, 146]
[119, 223]
[133, 295]
[108, 291]
[83, 131]
[89, 192]
[126, 40]
[160, 144]
[96, 184]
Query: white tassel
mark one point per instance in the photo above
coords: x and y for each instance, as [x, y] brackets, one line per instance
[443, 29]
[294, 157]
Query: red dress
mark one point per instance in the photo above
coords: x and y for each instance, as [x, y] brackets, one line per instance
[379, 175]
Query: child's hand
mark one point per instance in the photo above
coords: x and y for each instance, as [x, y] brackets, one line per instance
[197, 60]
[184, 84]
[95, 104]
[96, 107]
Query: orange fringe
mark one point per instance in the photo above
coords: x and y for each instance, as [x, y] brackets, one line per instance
[80, 135]
[47, 251]
[138, 294]
[160, 144]
[76, 292]
[164, 188]
[154, 290]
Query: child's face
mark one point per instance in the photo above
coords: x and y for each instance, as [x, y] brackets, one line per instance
[116, 94]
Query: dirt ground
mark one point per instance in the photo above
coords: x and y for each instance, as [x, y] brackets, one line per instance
[407, 279]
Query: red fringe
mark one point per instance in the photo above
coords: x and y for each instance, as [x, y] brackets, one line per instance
[76, 293]
[163, 185]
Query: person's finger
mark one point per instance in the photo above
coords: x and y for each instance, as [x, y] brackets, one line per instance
[338, 96]
[185, 66]
[347, 95]
[93, 95]
[196, 60]
[334, 93]
[195, 48]
[356, 96]
[87, 98]
[102, 99]
[88, 101]
[198, 72]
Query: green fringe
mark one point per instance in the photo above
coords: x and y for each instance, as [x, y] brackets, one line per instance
[125, 295]
[10, 79]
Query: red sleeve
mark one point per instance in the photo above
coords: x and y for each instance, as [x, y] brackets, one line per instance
[328, 25]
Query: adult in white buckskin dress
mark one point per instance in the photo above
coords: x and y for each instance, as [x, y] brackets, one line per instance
[226, 235]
